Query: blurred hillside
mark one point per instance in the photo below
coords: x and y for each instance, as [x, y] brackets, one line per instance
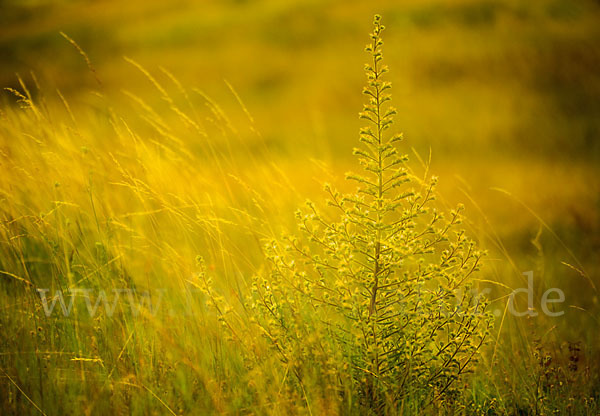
[503, 76]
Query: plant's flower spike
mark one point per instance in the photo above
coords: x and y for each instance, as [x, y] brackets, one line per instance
[368, 289]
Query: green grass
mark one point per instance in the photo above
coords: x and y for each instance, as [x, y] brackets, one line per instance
[129, 184]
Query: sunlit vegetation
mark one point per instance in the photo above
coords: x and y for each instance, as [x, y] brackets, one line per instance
[153, 256]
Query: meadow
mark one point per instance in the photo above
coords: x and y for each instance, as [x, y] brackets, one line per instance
[154, 156]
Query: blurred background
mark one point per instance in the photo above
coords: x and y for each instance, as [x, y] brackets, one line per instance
[505, 94]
